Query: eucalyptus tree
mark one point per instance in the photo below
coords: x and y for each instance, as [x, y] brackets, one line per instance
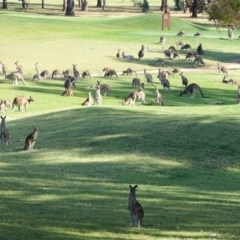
[4, 4]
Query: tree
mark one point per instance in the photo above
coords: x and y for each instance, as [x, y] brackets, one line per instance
[70, 8]
[224, 12]
[4, 4]
[196, 6]
[99, 3]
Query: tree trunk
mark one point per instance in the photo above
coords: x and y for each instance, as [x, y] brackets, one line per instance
[64, 6]
[70, 8]
[194, 9]
[99, 3]
[23, 4]
[79, 3]
[4, 4]
[42, 3]
[164, 6]
[84, 4]
[104, 3]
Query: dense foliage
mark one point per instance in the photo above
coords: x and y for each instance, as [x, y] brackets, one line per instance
[224, 12]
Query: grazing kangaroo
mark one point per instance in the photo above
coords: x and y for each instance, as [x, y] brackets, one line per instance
[15, 77]
[136, 82]
[110, 73]
[238, 94]
[158, 97]
[181, 33]
[135, 208]
[88, 101]
[129, 71]
[191, 90]
[4, 131]
[186, 47]
[86, 74]
[31, 139]
[21, 102]
[56, 73]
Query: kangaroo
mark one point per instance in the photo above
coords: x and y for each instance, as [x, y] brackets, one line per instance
[19, 68]
[184, 80]
[129, 71]
[2, 107]
[191, 90]
[181, 33]
[110, 73]
[238, 94]
[4, 131]
[222, 69]
[98, 96]
[158, 97]
[88, 101]
[141, 53]
[118, 53]
[135, 208]
[15, 77]
[67, 92]
[56, 73]
[105, 89]
[75, 72]
[136, 82]
[21, 102]
[86, 74]
[148, 77]
[31, 139]
[128, 101]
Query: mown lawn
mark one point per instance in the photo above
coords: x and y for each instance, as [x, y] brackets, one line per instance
[184, 156]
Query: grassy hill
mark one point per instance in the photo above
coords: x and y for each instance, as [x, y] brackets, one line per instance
[184, 156]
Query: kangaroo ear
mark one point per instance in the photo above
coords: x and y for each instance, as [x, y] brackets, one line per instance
[135, 186]
[130, 186]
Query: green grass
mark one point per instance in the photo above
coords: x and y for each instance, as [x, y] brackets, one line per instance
[74, 185]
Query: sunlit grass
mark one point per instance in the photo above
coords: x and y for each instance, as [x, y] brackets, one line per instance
[184, 156]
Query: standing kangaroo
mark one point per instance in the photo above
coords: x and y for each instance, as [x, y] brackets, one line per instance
[192, 89]
[4, 131]
[88, 101]
[21, 101]
[238, 94]
[135, 208]
[158, 97]
[31, 139]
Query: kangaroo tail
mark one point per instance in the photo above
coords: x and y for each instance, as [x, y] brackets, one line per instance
[200, 90]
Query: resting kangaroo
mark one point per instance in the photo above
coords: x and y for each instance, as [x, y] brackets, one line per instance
[192, 89]
[21, 101]
[4, 131]
[31, 139]
[135, 208]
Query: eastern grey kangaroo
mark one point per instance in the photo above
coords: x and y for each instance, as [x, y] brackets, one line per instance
[135, 208]
[238, 94]
[21, 101]
[4, 131]
[192, 89]
[31, 139]
[88, 101]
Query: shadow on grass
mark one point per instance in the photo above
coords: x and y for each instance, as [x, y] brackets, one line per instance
[74, 184]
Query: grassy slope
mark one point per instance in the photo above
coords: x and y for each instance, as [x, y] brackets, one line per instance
[74, 185]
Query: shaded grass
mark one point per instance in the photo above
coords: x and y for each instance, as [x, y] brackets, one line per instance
[184, 156]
